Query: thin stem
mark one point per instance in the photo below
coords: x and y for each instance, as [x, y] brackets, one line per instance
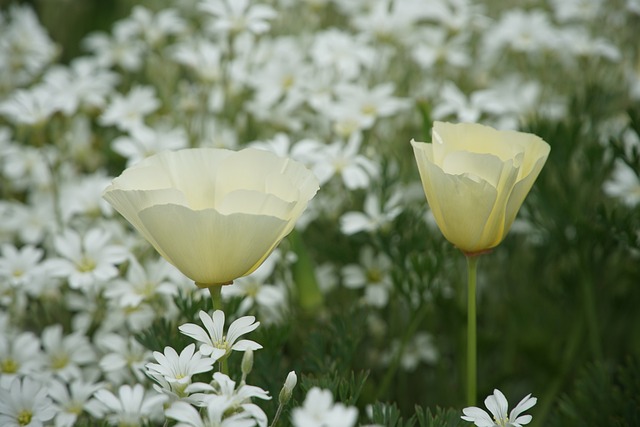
[277, 415]
[472, 358]
[216, 296]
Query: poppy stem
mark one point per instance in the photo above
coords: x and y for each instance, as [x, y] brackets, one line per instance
[472, 269]
[216, 296]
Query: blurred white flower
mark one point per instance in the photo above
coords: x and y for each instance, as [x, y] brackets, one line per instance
[83, 196]
[268, 300]
[86, 261]
[498, 406]
[122, 357]
[25, 402]
[155, 28]
[373, 273]
[32, 106]
[18, 267]
[576, 10]
[201, 56]
[375, 216]
[237, 16]
[82, 85]
[434, 45]
[319, 410]
[142, 283]
[73, 399]
[341, 52]
[123, 49]
[25, 46]
[133, 406]
[144, 141]
[213, 340]
[624, 184]
[128, 112]
[344, 160]
[520, 31]
[420, 349]
[65, 355]
[20, 354]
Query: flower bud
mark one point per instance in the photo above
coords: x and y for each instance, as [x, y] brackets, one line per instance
[287, 390]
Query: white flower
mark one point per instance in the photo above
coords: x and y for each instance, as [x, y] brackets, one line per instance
[122, 357]
[177, 370]
[29, 107]
[86, 261]
[123, 49]
[155, 28]
[188, 416]
[20, 266]
[237, 16]
[25, 403]
[72, 400]
[65, 356]
[498, 406]
[342, 159]
[145, 141]
[19, 354]
[373, 273]
[374, 217]
[340, 51]
[214, 341]
[131, 407]
[318, 410]
[128, 112]
[268, 299]
[623, 184]
[142, 284]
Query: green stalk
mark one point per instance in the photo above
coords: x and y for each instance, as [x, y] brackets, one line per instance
[472, 358]
[216, 296]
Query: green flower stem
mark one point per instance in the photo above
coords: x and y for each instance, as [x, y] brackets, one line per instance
[590, 311]
[216, 296]
[277, 416]
[472, 358]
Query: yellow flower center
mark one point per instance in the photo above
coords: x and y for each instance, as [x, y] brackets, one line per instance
[86, 265]
[18, 273]
[59, 361]
[369, 110]
[502, 422]
[9, 366]
[374, 275]
[24, 417]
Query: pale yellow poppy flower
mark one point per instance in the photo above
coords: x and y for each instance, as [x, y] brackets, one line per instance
[215, 214]
[476, 178]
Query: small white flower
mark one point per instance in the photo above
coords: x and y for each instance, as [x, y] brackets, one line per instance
[73, 400]
[20, 266]
[86, 261]
[128, 112]
[64, 356]
[214, 342]
[498, 406]
[623, 184]
[19, 354]
[188, 416]
[374, 216]
[25, 403]
[373, 274]
[132, 407]
[238, 16]
[319, 410]
[177, 370]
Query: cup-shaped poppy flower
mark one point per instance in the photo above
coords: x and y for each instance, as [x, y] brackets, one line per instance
[476, 178]
[215, 214]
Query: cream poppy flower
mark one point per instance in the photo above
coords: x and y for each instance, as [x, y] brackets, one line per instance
[215, 214]
[476, 178]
